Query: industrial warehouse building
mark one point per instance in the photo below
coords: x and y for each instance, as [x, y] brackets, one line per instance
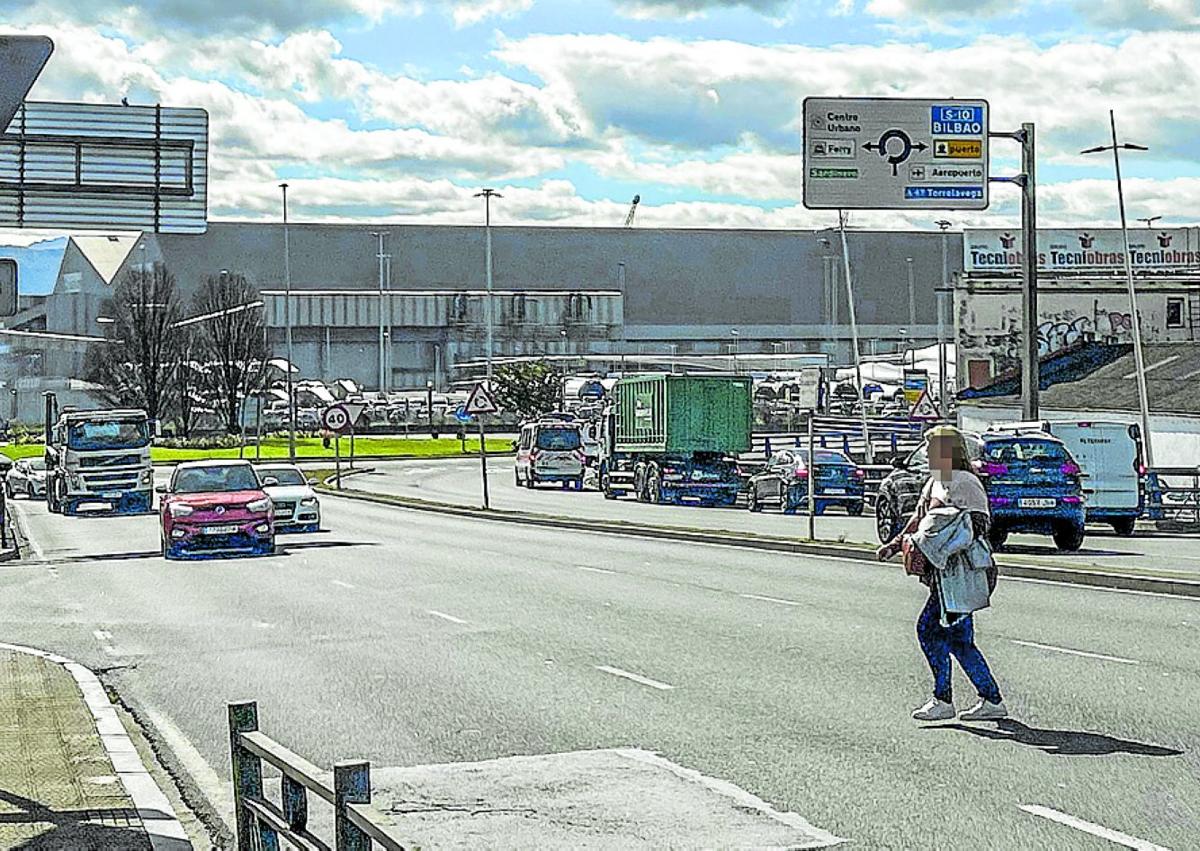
[605, 293]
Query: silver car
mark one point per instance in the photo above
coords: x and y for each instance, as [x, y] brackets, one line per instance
[297, 508]
[26, 477]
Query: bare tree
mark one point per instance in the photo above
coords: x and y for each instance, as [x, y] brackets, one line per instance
[229, 337]
[136, 369]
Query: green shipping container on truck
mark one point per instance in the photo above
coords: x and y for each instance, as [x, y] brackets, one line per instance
[684, 414]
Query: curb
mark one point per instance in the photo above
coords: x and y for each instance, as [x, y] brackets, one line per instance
[163, 827]
[1067, 576]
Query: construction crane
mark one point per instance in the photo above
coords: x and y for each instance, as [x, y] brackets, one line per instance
[632, 210]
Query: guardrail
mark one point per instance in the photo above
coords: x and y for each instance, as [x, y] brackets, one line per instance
[1174, 506]
[358, 826]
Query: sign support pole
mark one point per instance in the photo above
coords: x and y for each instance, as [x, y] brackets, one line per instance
[351, 444]
[1030, 375]
[812, 475]
[483, 461]
[337, 457]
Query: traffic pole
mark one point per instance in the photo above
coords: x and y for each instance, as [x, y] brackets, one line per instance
[483, 460]
[337, 457]
[812, 488]
[351, 444]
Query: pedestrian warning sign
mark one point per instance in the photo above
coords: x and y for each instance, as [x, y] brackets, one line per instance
[924, 409]
[481, 402]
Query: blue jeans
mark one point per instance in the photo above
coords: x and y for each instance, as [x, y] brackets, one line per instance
[939, 642]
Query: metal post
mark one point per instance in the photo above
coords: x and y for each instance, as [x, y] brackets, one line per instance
[1138, 354]
[488, 195]
[351, 444]
[337, 457]
[382, 367]
[862, 406]
[351, 785]
[287, 321]
[912, 298]
[258, 425]
[483, 460]
[247, 779]
[941, 327]
[812, 475]
[1030, 366]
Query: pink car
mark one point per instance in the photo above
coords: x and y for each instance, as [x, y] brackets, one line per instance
[216, 508]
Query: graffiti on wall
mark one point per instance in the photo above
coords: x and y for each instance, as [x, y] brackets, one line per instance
[1058, 333]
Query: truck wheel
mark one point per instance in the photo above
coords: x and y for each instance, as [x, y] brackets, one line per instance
[752, 502]
[653, 489]
[606, 483]
[1068, 537]
[1123, 526]
[517, 477]
[530, 480]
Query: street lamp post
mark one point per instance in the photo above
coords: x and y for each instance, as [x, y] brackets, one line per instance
[858, 379]
[912, 294]
[1149, 220]
[382, 341]
[734, 333]
[487, 195]
[1138, 355]
[944, 225]
[287, 323]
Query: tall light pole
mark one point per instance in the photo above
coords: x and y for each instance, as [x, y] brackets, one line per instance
[943, 225]
[912, 295]
[487, 195]
[858, 379]
[1138, 356]
[1149, 220]
[734, 347]
[382, 342]
[287, 322]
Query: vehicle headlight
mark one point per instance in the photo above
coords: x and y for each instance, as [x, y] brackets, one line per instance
[75, 480]
[263, 504]
[147, 477]
[180, 509]
[309, 502]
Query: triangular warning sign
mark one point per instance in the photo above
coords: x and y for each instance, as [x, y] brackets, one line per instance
[924, 409]
[481, 402]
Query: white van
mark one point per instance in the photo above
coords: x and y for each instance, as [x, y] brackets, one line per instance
[1110, 454]
[550, 450]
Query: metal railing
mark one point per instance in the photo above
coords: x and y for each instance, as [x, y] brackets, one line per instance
[1174, 505]
[260, 824]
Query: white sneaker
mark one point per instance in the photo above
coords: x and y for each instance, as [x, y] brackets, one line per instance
[985, 711]
[934, 710]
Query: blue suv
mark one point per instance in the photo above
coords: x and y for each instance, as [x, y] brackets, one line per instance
[1033, 485]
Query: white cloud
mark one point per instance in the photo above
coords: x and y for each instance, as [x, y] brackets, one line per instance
[1141, 14]
[468, 12]
[649, 9]
[901, 9]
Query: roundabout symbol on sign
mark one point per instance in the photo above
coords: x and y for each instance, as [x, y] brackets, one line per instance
[906, 148]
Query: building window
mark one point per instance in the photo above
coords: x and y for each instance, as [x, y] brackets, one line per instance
[1175, 313]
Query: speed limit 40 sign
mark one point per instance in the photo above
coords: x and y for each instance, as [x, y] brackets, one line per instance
[336, 418]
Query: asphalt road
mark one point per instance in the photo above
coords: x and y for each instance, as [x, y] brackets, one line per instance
[458, 482]
[405, 638]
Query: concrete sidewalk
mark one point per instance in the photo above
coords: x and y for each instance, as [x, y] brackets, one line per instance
[59, 786]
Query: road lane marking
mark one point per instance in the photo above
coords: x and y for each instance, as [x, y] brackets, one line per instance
[1094, 829]
[339, 583]
[778, 600]
[595, 569]
[444, 616]
[1073, 586]
[1071, 652]
[637, 678]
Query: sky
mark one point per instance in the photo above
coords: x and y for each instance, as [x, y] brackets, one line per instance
[400, 110]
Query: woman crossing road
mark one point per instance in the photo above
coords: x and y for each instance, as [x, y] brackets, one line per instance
[952, 484]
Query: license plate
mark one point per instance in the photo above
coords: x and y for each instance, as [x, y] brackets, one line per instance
[220, 530]
[111, 495]
[1037, 502]
[835, 491]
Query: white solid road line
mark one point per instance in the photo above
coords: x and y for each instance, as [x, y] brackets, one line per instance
[778, 600]
[637, 678]
[595, 569]
[217, 792]
[1094, 829]
[339, 583]
[1071, 652]
[444, 616]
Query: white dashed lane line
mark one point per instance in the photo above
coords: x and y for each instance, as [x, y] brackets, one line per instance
[778, 600]
[339, 583]
[1099, 831]
[445, 616]
[637, 678]
[1071, 652]
[595, 569]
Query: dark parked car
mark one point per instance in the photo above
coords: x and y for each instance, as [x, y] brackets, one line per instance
[898, 492]
[784, 482]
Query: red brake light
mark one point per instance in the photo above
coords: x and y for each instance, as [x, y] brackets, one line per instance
[859, 472]
[1070, 468]
[801, 473]
[992, 468]
[1140, 467]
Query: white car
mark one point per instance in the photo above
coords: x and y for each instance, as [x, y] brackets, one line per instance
[26, 477]
[297, 508]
